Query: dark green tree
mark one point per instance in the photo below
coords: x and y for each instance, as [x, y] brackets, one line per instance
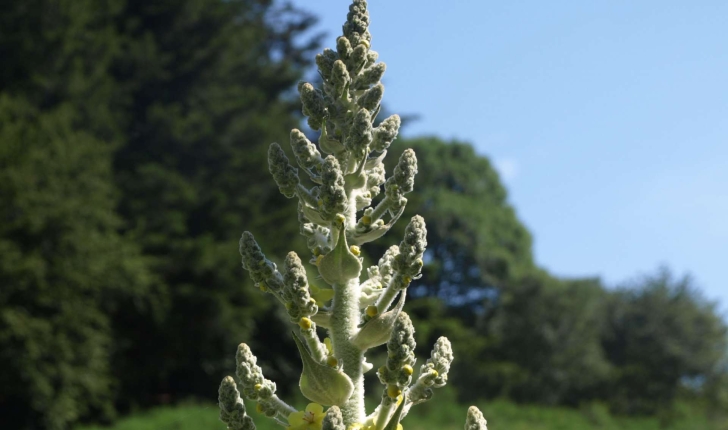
[63, 268]
[662, 336]
[546, 334]
[475, 241]
[185, 96]
[522, 332]
[207, 87]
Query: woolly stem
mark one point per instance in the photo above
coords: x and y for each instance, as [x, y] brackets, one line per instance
[385, 300]
[381, 208]
[280, 406]
[344, 321]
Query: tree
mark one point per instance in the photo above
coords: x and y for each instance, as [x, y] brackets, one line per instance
[547, 331]
[205, 85]
[63, 269]
[661, 335]
[476, 242]
[181, 95]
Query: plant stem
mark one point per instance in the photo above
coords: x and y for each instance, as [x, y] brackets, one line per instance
[344, 321]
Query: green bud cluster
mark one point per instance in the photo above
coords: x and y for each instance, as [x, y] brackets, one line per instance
[262, 271]
[337, 213]
[317, 235]
[333, 419]
[254, 386]
[403, 180]
[232, 409]
[433, 374]
[440, 362]
[332, 194]
[475, 420]
[375, 176]
[307, 155]
[357, 21]
[408, 263]
[296, 293]
[285, 175]
[385, 134]
[386, 265]
[250, 375]
[313, 105]
[397, 373]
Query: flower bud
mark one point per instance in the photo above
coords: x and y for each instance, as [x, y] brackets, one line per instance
[360, 134]
[386, 264]
[408, 263]
[343, 47]
[285, 175]
[332, 193]
[307, 156]
[372, 97]
[296, 291]
[384, 135]
[357, 20]
[325, 62]
[232, 408]
[333, 419]
[313, 103]
[475, 420]
[400, 352]
[340, 77]
[440, 361]
[370, 76]
[405, 171]
[358, 57]
[250, 375]
[262, 271]
[433, 374]
[372, 57]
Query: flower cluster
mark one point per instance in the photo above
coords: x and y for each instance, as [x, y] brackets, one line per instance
[338, 214]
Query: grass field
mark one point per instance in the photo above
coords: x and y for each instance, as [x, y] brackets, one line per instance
[439, 415]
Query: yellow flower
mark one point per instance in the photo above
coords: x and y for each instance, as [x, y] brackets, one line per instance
[310, 419]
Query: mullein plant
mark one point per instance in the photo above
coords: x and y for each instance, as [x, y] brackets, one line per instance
[337, 215]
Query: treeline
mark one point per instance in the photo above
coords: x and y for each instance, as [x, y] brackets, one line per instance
[133, 140]
[521, 333]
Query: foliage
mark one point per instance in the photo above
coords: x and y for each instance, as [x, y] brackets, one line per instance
[204, 83]
[157, 111]
[548, 331]
[503, 415]
[64, 268]
[476, 242]
[661, 336]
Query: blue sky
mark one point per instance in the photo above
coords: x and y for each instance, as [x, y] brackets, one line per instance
[608, 120]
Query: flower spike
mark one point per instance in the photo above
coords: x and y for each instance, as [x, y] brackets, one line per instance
[232, 409]
[475, 420]
[336, 216]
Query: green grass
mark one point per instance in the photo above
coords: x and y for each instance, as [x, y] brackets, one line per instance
[439, 414]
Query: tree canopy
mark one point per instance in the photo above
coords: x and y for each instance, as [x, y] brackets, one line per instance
[475, 241]
[133, 140]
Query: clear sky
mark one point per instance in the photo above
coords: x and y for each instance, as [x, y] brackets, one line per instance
[608, 120]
